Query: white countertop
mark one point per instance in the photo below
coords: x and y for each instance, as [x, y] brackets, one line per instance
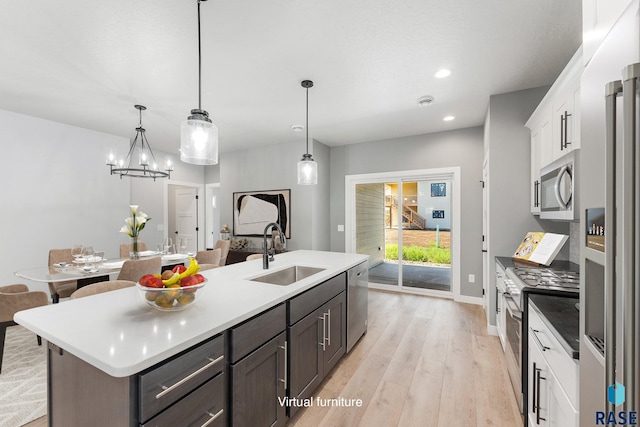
[119, 334]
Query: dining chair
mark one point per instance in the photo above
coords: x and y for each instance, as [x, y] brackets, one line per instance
[134, 269]
[254, 256]
[61, 289]
[209, 259]
[224, 246]
[100, 287]
[126, 248]
[14, 298]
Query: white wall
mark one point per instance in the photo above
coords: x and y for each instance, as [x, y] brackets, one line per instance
[275, 168]
[463, 148]
[56, 192]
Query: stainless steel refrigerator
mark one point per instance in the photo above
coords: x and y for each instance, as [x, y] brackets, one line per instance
[610, 182]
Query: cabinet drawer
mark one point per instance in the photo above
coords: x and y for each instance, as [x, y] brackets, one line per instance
[197, 408]
[305, 303]
[162, 386]
[256, 331]
[560, 363]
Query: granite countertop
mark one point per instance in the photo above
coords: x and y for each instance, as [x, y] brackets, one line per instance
[509, 262]
[562, 318]
[119, 334]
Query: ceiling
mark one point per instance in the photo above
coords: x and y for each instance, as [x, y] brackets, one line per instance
[86, 63]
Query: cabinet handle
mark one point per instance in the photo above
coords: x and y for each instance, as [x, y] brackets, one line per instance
[535, 336]
[324, 331]
[284, 381]
[536, 194]
[534, 398]
[562, 132]
[329, 328]
[539, 377]
[566, 127]
[213, 417]
[188, 377]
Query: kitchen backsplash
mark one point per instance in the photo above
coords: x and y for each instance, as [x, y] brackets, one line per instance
[574, 242]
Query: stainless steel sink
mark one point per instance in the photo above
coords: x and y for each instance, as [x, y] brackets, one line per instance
[288, 275]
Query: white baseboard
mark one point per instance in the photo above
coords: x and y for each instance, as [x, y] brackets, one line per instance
[470, 300]
[492, 330]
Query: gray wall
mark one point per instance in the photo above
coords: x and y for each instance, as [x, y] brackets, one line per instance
[463, 148]
[57, 192]
[507, 144]
[273, 168]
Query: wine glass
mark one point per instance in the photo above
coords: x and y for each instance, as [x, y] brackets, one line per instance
[182, 244]
[168, 243]
[76, 252]
[87, 253]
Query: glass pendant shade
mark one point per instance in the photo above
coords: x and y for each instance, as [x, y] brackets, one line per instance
[199, 140]
[307, 171]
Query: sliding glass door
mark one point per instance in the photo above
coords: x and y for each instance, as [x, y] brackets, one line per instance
[404, 225]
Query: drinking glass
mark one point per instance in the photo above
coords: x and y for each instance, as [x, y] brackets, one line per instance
[87, 254]
[168, 243]
[182, 244]
[98, 257]
[76, 251]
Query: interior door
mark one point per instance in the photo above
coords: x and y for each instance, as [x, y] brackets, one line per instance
[186, 217]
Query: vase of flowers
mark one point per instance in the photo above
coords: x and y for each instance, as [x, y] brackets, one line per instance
[133, 225]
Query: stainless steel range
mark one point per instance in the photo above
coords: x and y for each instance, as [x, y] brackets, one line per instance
[521, 281]
[541, 279]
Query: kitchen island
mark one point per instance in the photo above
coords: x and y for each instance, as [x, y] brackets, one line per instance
[117, 336]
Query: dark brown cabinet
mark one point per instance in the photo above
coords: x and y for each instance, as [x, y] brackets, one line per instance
[317, 342]
[259, 370]
[258, 383]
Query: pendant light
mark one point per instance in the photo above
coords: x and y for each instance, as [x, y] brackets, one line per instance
[147, 165]
[198, 135]
[307, 167]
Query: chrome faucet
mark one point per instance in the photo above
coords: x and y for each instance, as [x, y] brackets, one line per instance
[267, 254]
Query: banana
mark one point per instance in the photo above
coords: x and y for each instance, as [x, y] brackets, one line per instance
[193, 268]
[173, 280]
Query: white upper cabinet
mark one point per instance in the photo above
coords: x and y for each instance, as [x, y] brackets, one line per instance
[555, 124]
[598, 16]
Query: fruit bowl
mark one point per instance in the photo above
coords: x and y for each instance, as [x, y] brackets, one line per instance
[171, 299]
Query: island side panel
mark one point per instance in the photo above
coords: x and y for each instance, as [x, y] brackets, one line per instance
[82, 395]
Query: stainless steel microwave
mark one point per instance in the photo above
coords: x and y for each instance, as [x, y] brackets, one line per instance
[559, 190]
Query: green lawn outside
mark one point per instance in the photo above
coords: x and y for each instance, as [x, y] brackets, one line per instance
[430, 254]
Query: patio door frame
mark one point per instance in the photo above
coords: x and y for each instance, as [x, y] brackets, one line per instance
[452, 174]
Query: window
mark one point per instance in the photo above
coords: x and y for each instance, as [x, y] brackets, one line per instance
[439, 189]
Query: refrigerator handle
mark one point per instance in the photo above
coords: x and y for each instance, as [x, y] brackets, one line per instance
[612, 90]
[630, 238]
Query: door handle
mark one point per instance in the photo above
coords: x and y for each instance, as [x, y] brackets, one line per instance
[284, 380]
[566, 127]
[324, 331]
[564, 170]
[540, 377]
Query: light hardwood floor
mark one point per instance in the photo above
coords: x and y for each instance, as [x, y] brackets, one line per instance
[423, 362]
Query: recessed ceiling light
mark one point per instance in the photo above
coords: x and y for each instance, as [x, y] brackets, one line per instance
[448, 118]
[297, 128]
[441, 74]
[425, 100]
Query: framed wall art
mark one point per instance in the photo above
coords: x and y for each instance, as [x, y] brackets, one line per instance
[253, 210]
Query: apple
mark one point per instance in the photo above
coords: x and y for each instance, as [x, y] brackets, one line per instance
[179, 268]
[199, 277]
[144, 279]
[154, 282]
[189, 281]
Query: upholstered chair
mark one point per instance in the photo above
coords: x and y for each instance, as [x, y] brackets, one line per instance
[100, 287]
[224, 246]
[134, 269]
[14, 298]
[61, 289]
[209, 259]
[126, 248]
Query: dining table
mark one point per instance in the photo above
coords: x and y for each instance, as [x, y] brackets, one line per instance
[86, 273]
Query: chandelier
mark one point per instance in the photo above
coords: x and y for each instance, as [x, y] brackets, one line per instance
[198, 135]
[146, 165]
